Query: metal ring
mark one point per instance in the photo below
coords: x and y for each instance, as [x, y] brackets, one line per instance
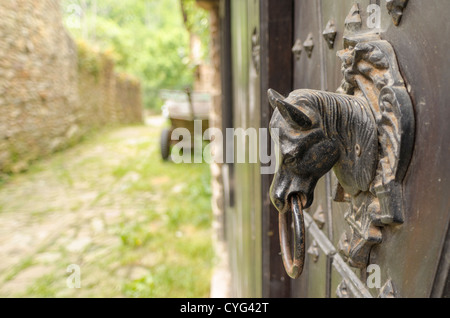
[293, 266]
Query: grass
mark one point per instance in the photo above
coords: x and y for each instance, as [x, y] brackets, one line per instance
[178, 226]
[155, 217]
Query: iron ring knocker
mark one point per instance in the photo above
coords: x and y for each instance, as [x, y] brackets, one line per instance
[293, 266]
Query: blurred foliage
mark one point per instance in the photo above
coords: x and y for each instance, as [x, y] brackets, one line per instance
[89, 59]
[149, 39]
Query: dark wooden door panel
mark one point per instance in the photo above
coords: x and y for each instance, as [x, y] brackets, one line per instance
[412, 254]
[313, 283]
[307, 69]
[276, 71]
[308, 74]
[336, 11]
[414, 249]
[422, 59]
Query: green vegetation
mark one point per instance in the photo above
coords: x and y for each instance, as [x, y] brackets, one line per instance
[149, 39]
[89, 60]
[137, 226]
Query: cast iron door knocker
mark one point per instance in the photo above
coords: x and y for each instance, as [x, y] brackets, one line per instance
[364, 133]
[293, 265]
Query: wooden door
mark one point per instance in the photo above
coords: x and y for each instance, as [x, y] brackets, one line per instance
[281, 45]
[241, 106]
[411, 256]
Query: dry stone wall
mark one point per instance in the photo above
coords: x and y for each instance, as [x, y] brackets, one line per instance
[49, 96]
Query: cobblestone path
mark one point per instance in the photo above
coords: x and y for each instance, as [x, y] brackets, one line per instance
[101, 206]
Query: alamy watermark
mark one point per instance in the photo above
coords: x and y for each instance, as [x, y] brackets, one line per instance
[374, 19]
[74, 14]
[374, 278]
[74, 279]
[242, 146]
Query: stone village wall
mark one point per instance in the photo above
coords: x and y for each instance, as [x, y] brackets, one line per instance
[52, 91]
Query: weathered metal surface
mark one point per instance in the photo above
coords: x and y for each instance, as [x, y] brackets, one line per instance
[410, 40]
[370, 70]
[353, 21]
[351, 283]
[415, 249]
[395, 8]
[331, 76]
[313, 250]
[329, 34]
[365, 133]
[307, 72]
[413, 255]
[319, 217]
[297, 49]
[309, 44]
[293, 264]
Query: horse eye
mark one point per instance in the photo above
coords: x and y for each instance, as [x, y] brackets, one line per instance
[289, 160]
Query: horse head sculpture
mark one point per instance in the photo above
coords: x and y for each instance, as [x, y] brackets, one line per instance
[319, 131]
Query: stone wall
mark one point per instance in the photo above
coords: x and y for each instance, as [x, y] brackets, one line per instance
[105, 96]
[128, 99]
[48, 97]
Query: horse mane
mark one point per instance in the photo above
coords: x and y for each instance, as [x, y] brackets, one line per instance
[346, 119]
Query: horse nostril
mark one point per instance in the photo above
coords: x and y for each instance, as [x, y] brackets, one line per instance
[278, 203]
[278, 197]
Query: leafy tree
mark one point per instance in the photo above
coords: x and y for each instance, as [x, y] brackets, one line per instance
[149, 38]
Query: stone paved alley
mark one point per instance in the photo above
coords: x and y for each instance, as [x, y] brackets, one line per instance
[101, 206]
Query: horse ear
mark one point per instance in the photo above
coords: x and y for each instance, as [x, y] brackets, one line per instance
[274, 98]
[289, 111]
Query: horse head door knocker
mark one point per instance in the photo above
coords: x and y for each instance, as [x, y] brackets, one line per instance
[364, 132]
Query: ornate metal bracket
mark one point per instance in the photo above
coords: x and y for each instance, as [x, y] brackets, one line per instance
[309, 44]
[297, 49]
[395, 9]
[364, 132]
[329, 34]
